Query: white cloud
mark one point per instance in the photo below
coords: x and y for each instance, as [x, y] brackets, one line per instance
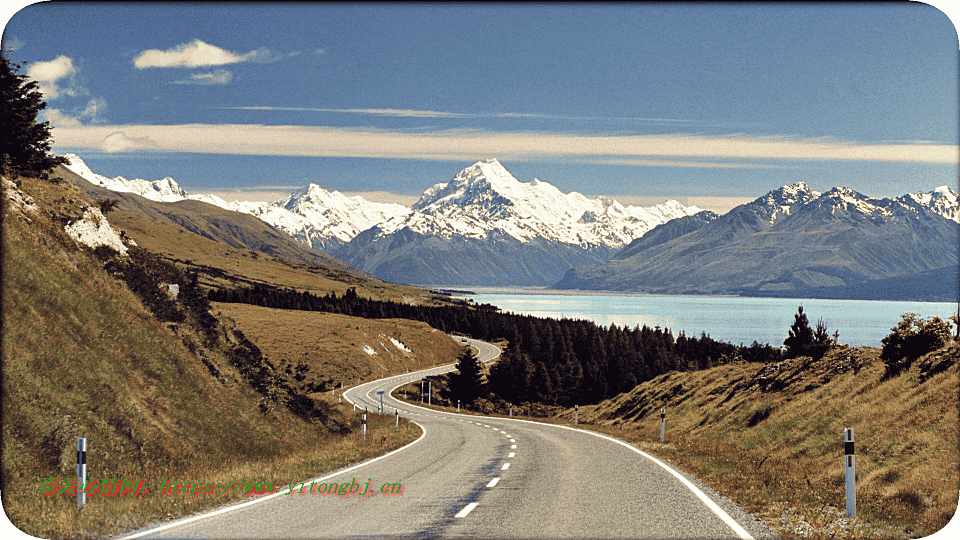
[90, 113]
[459, 145]
[220, 76]
[119, 141]
[56, 117]
[93, 110]
[49, 74]
[197, 54]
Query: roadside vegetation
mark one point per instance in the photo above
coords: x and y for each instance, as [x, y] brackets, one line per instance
[770, 436]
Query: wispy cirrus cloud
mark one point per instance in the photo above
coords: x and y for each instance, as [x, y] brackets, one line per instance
[415, 113]
[458, 145]
[198, 54]
[220, 76]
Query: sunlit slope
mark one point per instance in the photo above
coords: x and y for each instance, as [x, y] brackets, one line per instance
[770, 436]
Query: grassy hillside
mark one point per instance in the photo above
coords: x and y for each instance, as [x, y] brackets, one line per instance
[770, 437]
[83, 357]
[341, 348]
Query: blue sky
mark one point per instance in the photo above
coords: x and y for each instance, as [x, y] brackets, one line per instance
[708, 104]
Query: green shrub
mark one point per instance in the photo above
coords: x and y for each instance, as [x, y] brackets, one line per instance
[912, 338]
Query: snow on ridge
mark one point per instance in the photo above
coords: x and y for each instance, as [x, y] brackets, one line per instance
[164, 190]
[485, 197]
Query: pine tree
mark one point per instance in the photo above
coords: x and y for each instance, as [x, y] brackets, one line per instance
[800, 336]
[25, 144]
[467, 383]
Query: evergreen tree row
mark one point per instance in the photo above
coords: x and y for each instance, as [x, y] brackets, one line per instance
[560, 362]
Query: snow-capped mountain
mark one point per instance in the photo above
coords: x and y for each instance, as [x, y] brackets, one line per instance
[794, 240]
[312, 215]
[942, 201]
[165, 190]
[326, 218]
[485, 197]
[485, 227]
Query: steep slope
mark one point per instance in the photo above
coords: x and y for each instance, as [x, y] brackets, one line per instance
[485, 227]
[792, 239]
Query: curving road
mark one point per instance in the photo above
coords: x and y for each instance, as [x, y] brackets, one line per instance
[480, 477]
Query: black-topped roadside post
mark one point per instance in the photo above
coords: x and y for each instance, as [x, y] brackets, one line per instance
[849, 466]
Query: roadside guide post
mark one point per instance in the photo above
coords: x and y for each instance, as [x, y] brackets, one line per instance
[81, 472]
[850, 470]
[663, 415]
[363, 427]
[398, 417]
[458, 405]
[576, 414]
[380, 393]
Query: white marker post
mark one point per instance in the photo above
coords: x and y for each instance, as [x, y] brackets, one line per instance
[363, 427]
[380, 392]
[81, 472]
[458, 405]
[429, 392]
[421, 391]
[849, 462]
[398, 417]
[663, 415]
[576, 414]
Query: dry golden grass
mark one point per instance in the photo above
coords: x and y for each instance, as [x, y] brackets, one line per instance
[82, 357]
[334, 345]
[58, 516]
[772, 440]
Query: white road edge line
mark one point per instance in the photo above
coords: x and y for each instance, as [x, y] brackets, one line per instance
[739, 530]
[466, 510]
[268, 497]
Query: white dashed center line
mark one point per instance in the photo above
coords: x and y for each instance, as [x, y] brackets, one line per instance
[511, 454]
[505, 467]
[466, 510]
[493, 482]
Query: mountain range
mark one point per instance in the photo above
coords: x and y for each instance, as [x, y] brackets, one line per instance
[486, 228]
[792, 242]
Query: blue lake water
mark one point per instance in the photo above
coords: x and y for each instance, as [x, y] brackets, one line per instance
[726, 318]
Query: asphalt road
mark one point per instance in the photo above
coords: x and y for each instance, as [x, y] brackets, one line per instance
[477, 477]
